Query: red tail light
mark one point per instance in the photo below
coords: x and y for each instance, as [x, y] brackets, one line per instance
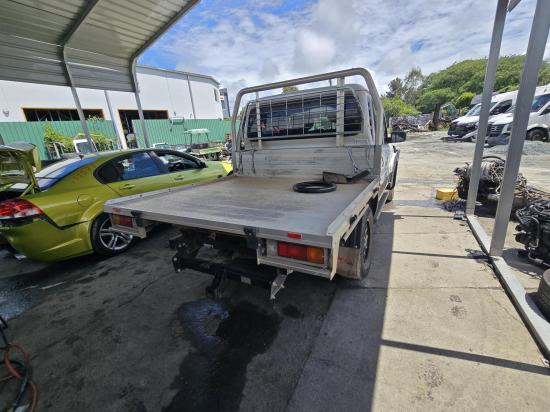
[120, 220]
[18, 209]
[300, 252]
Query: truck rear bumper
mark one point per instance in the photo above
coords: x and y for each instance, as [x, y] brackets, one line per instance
[265, 277]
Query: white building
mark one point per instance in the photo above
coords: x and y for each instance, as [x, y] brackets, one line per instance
[164, 94]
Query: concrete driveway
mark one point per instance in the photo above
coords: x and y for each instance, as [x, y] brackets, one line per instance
[430, 329]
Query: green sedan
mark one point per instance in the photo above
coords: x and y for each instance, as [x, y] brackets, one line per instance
[57, 213]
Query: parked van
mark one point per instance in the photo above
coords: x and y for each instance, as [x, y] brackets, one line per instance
[538, 128]
[500, 103]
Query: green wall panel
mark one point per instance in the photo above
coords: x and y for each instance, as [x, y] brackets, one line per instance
[33, 132]
[163, 131]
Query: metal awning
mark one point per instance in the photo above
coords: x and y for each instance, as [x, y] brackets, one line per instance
[82, 43]
[99, 40]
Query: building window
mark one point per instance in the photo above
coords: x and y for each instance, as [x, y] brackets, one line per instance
[126, 117]
[52, 115]
[216, 98]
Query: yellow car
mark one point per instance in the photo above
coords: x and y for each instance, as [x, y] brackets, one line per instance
[57, 213]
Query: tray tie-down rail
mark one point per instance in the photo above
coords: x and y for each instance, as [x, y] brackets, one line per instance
[188, 244]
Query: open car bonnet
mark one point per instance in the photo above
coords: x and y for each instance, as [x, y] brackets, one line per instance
[18, 164]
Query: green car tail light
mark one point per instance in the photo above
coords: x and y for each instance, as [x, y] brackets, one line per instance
[15, 209]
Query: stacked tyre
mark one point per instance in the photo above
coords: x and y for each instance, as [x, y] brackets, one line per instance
[543, 294]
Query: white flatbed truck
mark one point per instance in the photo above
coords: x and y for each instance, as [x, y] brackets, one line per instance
[261, 219]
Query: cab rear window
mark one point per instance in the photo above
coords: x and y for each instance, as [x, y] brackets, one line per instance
[309, 115]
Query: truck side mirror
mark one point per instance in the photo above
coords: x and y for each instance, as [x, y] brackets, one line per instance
[396, 137]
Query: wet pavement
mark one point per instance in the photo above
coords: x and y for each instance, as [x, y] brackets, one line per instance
[425, 331]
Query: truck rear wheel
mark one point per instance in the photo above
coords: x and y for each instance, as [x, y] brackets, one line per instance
[365, 246]
[392, 187]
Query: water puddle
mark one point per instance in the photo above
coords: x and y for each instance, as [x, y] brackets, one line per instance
[226, 337]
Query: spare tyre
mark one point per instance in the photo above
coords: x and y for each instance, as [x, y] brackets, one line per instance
[314, 187]
[543, 294]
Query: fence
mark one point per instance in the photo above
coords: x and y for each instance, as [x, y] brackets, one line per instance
[159, 131]
[33, 132]
[166, 131]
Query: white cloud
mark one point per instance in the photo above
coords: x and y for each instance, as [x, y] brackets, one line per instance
[313, 51]
[257, 42]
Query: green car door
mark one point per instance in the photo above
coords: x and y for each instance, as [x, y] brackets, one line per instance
[134, 173]
[185, 169]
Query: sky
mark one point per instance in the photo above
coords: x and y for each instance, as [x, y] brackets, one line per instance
[247, 42]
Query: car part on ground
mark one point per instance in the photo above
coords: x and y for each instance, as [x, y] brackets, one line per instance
[543, 294]
[492, 171]
[501, 139]
[534, 231]
[418, 123]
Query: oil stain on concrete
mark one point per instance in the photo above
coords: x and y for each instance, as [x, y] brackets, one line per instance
[226, 336]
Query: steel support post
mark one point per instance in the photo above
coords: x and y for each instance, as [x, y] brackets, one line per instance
[191, 97]
[141, 119]
[490, 73]
[526, 92]
[82, 118]
[121, 141]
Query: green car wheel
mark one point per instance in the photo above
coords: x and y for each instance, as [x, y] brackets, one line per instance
[106, 241]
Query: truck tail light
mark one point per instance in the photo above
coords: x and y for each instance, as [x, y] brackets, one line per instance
[299, 252]
[120, 220]
[18, 209]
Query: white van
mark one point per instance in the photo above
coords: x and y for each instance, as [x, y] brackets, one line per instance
[500, 103]
[538, 127]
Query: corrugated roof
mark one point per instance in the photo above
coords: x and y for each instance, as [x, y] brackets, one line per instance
[100, 39]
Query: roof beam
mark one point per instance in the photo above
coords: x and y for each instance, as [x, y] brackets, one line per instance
[79, 21]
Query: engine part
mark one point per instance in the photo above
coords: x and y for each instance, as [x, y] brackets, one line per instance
[534, 230]
[492, 171]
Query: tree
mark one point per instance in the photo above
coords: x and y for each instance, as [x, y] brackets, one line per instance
[413, 82]
[290, 89]
[396, 88]
[464, 100]
[393, 106]
[468, 76]
[430, 100]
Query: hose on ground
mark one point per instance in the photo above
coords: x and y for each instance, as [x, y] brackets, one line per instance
[17, 370]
